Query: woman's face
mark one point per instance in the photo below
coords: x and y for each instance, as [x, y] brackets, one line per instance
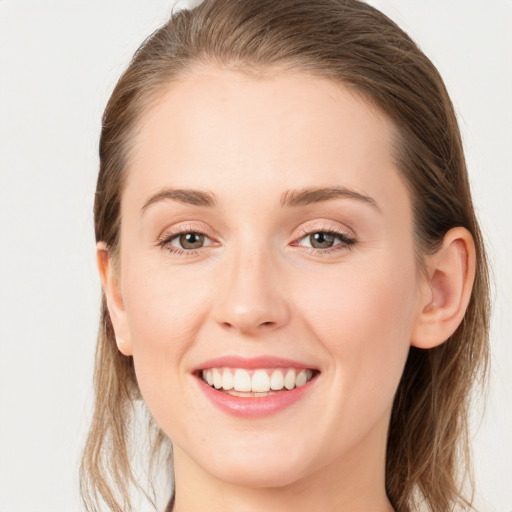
[267, 237]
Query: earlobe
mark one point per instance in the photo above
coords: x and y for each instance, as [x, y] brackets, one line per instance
[447, 290]
[112, 291]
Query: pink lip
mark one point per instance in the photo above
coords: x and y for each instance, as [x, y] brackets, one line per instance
[251, 363]
[253, 407]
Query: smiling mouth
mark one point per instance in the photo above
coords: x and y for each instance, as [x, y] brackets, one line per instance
[256, 383]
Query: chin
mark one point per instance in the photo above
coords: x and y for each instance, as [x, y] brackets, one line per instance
[255, 468]
[249, 474]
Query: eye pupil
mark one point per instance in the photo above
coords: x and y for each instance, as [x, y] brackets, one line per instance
[191, 240]
[321, 240]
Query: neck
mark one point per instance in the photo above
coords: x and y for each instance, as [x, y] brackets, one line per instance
[355, 483]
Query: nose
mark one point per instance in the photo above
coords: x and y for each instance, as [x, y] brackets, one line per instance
[252, 297]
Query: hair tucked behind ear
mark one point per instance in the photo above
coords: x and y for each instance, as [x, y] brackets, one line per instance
[350, 42]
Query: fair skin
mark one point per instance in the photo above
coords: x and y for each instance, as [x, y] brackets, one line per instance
[259, 284]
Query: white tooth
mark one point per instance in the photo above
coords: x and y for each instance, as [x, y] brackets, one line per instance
[277, 380]
[260, 381]
[227, 379]
[217, 378]
[301, 379]
[242, 380]
[309, 375]
[289, 380]
[208, 377]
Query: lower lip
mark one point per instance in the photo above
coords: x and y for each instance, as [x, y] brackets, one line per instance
[254, 407]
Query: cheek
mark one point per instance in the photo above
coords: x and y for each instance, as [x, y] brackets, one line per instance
[358, 299]
[160, 304]
[364, 318]
[164, 313]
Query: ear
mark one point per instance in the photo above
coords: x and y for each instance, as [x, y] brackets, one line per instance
[112, 290]
[447, 289]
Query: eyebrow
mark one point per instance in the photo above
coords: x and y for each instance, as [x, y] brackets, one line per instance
[290, 198]
[309, 196]
[185, 196]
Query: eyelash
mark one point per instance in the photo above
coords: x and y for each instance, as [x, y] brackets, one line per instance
[346, 240]
[166, 240]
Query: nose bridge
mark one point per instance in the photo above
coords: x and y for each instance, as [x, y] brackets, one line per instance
[252, 295]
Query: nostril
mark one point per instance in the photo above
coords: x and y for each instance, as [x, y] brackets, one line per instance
[230, 325]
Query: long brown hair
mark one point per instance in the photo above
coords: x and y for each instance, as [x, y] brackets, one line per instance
[350, 42]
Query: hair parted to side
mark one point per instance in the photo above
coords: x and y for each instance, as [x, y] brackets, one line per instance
[350, 42]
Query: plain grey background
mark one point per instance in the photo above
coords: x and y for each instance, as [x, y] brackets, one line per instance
[59, 60]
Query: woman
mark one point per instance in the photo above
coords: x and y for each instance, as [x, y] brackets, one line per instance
[294, 278]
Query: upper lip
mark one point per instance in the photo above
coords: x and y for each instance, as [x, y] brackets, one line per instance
[252, 363]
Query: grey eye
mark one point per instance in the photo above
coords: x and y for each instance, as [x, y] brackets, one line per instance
[322, 240]
[191, 240]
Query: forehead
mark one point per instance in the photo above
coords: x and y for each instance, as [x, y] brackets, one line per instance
[214, 129]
